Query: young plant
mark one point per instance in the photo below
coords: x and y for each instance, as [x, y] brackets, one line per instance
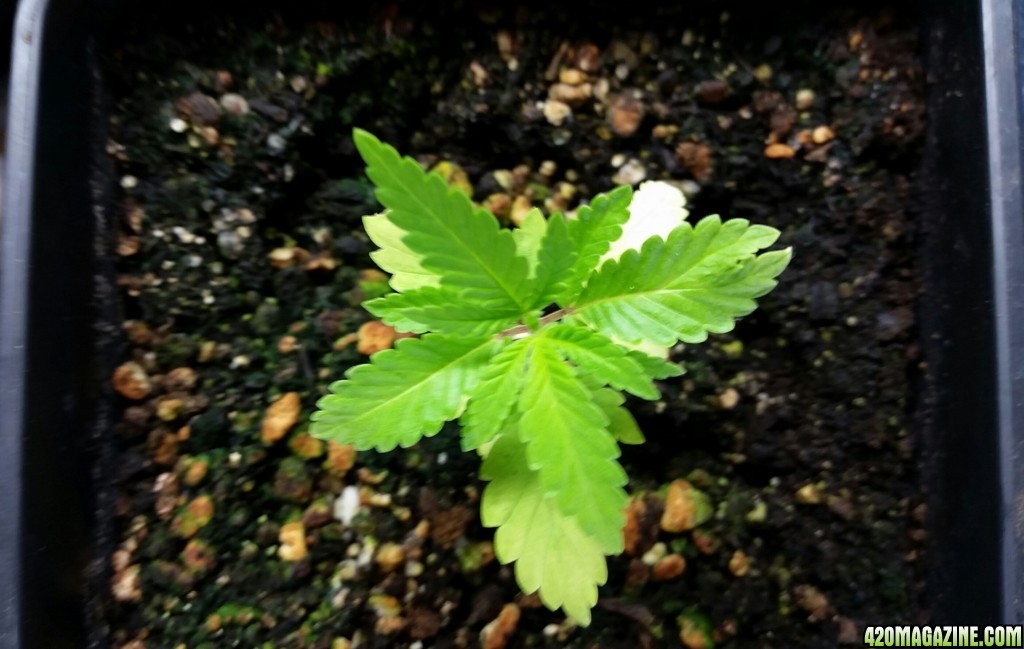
[530, 337]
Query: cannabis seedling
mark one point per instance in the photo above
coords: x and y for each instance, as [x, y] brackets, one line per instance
[530, 336]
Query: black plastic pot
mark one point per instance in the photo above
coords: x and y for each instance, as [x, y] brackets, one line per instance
[58, 339]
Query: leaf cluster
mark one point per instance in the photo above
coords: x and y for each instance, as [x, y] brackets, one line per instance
[530, 344]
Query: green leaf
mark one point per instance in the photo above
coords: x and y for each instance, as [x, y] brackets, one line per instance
[568, 444]
[403, 394]
[548, 247]
[441, 310]
[494, 399]
[554, 556]
[600, 357]
[405, 266]
[462, 244]
[621, 423]
[656, 368]
[697, 282]
[555, 261]
[595, 227]
[528, 238]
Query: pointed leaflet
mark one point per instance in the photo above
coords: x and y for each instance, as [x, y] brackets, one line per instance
[621, 423]
[548, 247]
[528, 238]
[698, 281]
[463, 245]
[555, 261]
[601, 358]
[494, 399]
[553, 555]
[568, 444]
[441, 310]
[404, 393]
[595, 227]
[405, 266]
[654, 367]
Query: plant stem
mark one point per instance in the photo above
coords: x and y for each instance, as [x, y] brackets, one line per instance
[554, 316]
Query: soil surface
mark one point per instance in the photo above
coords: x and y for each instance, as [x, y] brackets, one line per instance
[243, 265]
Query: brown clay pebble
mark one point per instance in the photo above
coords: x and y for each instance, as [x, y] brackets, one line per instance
[280, 417]
[588, 57]
[813, 601]
[712, 91]
[497, 633]
[685, 507]
[375, 336]
[739, 563]
[132, 382]
[823, 134]
[390, 556]
[626, 114]
[668, 567]
[777, 151]
[293, 542]
[199, 109]
[696, 157]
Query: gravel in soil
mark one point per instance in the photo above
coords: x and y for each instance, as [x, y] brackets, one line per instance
[776, 501]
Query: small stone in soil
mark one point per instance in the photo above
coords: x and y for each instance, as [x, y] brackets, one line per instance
[588, 57]
[685, 507]
[131, 381]
[626, 114]
[804, 98]
[556, 112]
[293, 542]
[194, 516]
[712, 91]
[809, 494]
[823, 134]
[340, 457]
[696, 158]
[390, 556]
[375, 336]
[126, 584]
[280, 417]
[813, 601]
[346, 506]
[779, 151]
[631, 173]
[497, 632]
[198, 109]
[728, 399]
[668, 567]
[695, 631]
[739, 564]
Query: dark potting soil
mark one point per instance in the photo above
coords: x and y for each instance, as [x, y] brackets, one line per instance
[243, 264]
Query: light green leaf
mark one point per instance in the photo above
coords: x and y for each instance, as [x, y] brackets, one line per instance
[621, 423]
[528, 238]
[495, 397]
[598, 356]
[547, 245]
[441, 310]
[595, 227]
[656, 368]
[462, 244]
[553, 555]
[568, 444]
[403, 394]
[698, 281]
[405, 266]
[555, 261]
